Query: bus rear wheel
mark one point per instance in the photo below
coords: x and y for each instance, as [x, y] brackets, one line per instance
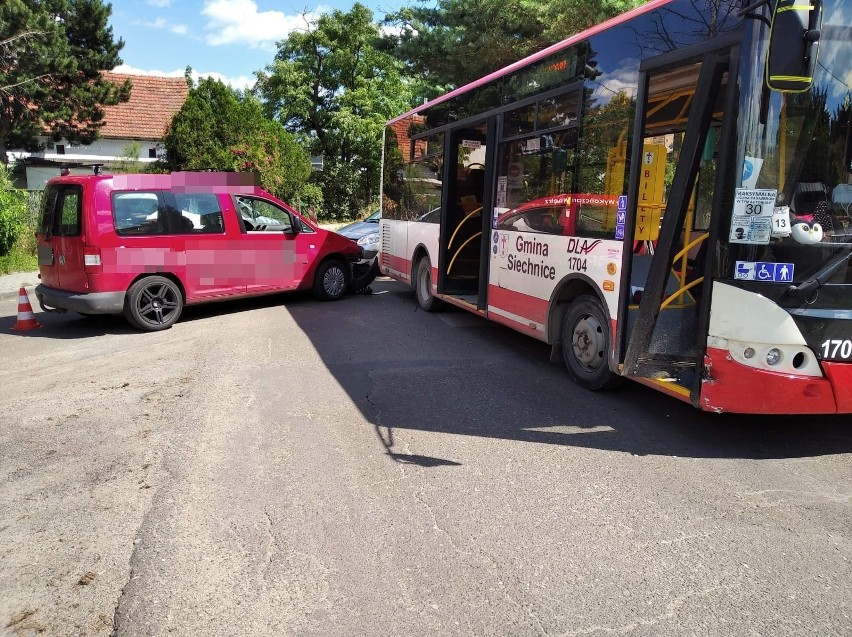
[586, 344]
[423, 286]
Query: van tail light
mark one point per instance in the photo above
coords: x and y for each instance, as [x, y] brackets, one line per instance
[92, 260]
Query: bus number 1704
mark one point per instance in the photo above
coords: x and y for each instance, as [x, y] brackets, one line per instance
[837, 348]
[577, 263]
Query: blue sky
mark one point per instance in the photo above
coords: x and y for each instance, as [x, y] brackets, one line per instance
[226, 39]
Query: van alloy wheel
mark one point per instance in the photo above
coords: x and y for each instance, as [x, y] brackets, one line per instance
[154, 303]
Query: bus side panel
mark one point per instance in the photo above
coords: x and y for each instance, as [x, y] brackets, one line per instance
[395, 259]
[426, 235]
[527, 267]
[522, 312]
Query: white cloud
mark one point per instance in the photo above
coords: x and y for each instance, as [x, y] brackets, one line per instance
[387, 29]
[161, 23]
[622, 80]
[160, 3]
[240, 82]
[240, 22]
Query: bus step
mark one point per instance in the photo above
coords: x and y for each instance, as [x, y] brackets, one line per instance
[670, 369]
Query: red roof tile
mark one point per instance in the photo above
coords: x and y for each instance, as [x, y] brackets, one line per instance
[153, 102]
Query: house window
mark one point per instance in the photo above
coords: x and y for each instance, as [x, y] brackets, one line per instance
[60, 149]
[152, 153]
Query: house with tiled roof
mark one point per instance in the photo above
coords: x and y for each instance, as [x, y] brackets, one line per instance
[142, 121]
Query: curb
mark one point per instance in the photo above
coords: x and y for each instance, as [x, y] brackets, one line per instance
[25, 278]
[13, 294]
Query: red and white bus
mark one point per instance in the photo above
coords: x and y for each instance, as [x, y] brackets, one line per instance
[664, 197]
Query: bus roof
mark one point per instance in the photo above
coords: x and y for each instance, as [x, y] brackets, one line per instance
[535, 57]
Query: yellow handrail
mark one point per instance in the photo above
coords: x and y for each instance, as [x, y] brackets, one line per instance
[458, 227]
[681, 291]
[689, 246]
[461, 247]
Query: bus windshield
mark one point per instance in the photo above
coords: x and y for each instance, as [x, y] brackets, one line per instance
[797, 147]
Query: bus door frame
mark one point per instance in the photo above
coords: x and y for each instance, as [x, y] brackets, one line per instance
[451, 142]
[717, 58]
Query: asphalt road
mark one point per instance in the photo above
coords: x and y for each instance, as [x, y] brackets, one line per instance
[284, 467]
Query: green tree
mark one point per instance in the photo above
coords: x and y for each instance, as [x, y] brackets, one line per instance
[455, 42]
[219, 128]
[13, 211]
[52, 53]
[334, 87]
[128, 161]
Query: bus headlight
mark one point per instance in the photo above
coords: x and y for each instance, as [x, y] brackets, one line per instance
[779, 358]
[773, 356]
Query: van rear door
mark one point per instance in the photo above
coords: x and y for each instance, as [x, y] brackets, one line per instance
[60, 239]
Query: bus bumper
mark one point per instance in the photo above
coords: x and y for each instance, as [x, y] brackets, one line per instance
[733, 387]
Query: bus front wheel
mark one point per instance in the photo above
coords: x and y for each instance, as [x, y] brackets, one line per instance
[423, 286]
[586, 344]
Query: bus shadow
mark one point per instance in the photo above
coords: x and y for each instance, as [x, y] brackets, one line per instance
[454, 373]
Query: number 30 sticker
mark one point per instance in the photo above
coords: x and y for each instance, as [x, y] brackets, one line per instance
[753, 216]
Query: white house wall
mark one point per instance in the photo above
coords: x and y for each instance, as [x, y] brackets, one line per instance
[101, 151]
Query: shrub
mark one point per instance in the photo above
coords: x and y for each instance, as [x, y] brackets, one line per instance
[13, 212]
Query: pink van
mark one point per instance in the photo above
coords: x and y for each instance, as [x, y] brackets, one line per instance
[146, 245]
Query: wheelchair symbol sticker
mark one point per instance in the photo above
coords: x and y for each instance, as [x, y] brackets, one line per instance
[764, 271]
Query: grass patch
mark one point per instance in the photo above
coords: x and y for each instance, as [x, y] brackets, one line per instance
[22, 257]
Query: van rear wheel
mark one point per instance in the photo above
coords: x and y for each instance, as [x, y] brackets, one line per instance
[153, 303]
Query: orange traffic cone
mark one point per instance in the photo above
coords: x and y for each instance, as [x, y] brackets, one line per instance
[26, 320]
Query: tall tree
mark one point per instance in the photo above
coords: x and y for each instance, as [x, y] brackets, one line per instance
[454, 42]
[332, 85]
[52, 53]
[218, 128]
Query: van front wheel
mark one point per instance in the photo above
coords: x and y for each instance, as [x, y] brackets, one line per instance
[153, 303]
[331, 281]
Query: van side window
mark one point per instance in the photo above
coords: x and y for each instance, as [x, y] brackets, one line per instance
[62, 211]
[136, 213]
[164, 212]
[262, 215]
[196, 213]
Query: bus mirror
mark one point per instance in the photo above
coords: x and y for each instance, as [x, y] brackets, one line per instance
[793, 45]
